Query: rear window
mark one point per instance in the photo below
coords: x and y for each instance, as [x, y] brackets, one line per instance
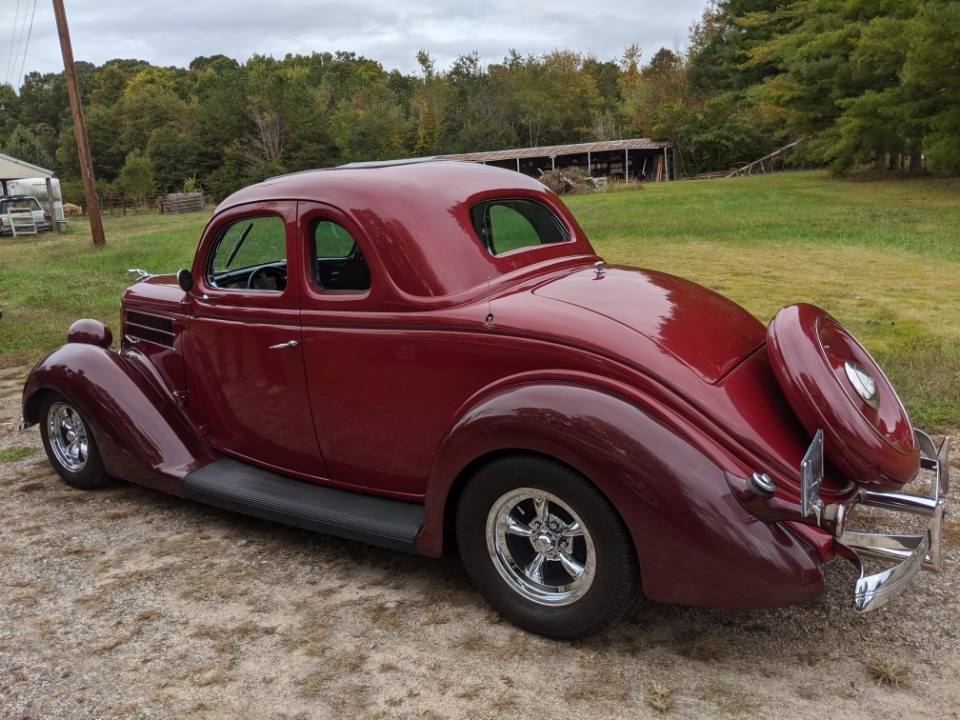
[30, 204]
[507, 225]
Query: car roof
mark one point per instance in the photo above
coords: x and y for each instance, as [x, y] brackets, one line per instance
[418, 216]
[445, 182]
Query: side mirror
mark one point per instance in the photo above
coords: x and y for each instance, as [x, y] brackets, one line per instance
[185, 280]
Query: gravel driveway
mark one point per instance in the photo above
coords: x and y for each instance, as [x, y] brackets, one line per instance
[125, 603]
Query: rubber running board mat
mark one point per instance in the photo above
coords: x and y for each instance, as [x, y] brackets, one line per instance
[234, 485]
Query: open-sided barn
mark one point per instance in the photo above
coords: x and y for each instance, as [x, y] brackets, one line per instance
[635, 159]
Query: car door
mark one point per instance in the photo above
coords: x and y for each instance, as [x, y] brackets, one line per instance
[366, 425]
[245, 370]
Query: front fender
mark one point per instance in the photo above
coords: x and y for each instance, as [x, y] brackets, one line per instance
[695, 542]
[140, 431]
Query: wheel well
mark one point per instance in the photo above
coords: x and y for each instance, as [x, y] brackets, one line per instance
[456, 490]
[468, 472]
[31, 412]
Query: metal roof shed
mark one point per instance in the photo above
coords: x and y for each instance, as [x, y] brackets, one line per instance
[634, 159]
[13, 169]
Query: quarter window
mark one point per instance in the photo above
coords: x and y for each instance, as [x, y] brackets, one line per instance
[507, 225]
[339, 263]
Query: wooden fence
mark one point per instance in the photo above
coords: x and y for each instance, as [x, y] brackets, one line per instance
[167, 204]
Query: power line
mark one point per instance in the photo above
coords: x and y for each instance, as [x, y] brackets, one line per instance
[26, 46]
[21, 27]
[13, 41]
[16, 55]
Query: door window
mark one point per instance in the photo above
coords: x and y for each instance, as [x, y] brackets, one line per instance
[251, 254]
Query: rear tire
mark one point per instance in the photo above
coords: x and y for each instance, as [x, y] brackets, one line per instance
[546, 548]
[70, 444]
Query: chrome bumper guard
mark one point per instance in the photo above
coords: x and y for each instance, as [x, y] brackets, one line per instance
[911, 552]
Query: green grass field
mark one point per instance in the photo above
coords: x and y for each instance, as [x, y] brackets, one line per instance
[881, 256]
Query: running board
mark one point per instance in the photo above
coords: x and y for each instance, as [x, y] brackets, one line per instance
[233, 485]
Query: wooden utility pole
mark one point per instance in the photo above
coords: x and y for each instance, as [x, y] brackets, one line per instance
[83, 149]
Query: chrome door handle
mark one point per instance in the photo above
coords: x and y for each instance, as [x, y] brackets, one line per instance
[284, 346]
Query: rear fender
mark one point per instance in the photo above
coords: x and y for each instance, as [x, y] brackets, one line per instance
[695, 542]
[139, 429]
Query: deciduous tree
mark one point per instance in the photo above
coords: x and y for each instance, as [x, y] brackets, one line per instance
[25, 145]
[149, 101]
[136, 176]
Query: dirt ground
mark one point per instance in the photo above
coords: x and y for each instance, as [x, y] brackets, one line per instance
[125, 603]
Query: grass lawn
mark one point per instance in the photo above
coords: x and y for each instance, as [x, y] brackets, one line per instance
[881, 256]
[48, 281]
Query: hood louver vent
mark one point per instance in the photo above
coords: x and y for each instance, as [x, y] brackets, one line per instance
[150, 328]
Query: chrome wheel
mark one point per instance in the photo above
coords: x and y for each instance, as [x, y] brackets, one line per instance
[540, 547]
[68, 437]
[70, 443]
[545, 547]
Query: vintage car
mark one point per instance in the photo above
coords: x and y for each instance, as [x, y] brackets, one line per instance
[431, 355]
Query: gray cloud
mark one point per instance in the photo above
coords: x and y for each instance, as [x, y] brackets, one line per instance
[177, 31]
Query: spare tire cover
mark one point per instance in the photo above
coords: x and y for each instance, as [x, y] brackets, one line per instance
[831, 383]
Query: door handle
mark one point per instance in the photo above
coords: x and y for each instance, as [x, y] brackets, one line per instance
[284, 346]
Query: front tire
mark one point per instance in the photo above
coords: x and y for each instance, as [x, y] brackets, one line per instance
[70, 444]
[546, 548]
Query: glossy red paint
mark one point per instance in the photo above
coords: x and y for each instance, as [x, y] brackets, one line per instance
[91, 332]
[658, 391]
[695, 543]
[703, 330]
[869, 441]
[143, 436]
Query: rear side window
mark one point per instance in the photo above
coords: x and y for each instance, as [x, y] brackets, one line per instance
[332, 240]
[507, 225]
[338, 262]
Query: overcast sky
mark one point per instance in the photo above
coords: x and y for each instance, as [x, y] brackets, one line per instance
[174, 32]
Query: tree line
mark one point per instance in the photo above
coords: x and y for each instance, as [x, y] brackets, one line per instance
[869, 82]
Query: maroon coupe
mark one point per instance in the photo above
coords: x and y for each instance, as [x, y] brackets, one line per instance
[431, 355]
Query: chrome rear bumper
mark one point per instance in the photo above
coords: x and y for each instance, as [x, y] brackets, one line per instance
[911, 552]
